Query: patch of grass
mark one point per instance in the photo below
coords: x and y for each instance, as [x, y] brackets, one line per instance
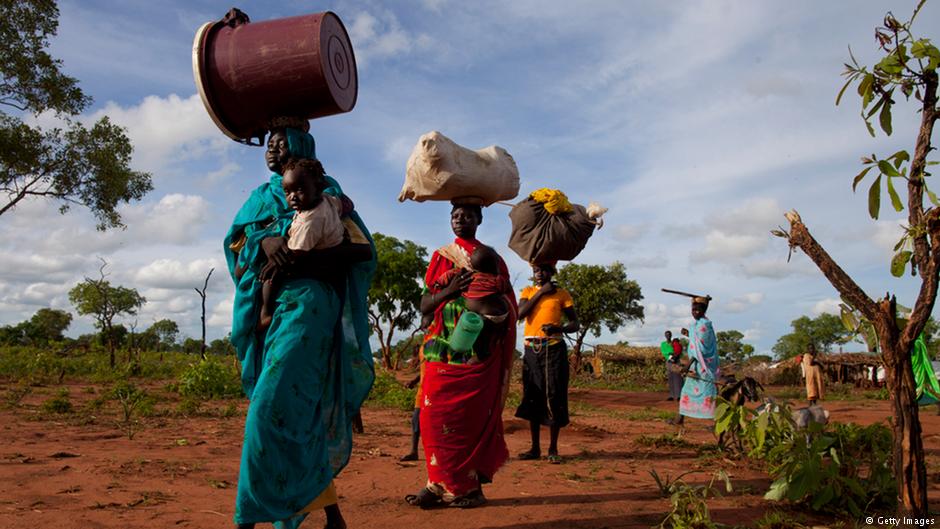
[188, 406]
[15, 395]
[649, 414]
[59, 404]
[789, 393]
[777, 520]
[666, 440]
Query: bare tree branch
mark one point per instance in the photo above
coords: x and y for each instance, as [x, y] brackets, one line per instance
[800, 237]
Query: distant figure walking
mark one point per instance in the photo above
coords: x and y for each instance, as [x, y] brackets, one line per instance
[812, 370]
[674, 369]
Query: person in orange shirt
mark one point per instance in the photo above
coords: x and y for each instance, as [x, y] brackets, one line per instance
[548, 312]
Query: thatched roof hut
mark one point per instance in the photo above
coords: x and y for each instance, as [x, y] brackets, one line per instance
[623, 355]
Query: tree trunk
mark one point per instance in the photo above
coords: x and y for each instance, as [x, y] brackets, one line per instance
[579, 341]
[910, 465]
[909, 460]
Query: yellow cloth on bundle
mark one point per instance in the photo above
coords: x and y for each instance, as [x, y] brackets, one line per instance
[554, 200]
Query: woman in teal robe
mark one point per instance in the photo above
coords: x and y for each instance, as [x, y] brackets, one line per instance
[309, 373]
[699, 392]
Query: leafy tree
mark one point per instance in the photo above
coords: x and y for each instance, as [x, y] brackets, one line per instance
[730, 347]
[395, 293]
[823, 331]
[98, 298]
[192, 346]
[908, 67]
[78, 165]
[222, 347]
[166, 332]
[603, 297]
[46, 325]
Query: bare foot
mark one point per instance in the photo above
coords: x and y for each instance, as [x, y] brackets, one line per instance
[413, 456]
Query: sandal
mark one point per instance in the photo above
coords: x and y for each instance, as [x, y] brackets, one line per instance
[529, 456]
[424, 499]
[469, 500]
[409, 457]
[554, 459]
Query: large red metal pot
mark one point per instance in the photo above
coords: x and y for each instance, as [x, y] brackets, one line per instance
[250, 73]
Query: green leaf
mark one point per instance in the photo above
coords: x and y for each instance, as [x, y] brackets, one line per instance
[933, 197]
[859, 177]
[884, 118]
[875, 108]
[865, 89]
[849, 321]
[899, 158]
[899, 263]
[895, 199]
[871, 130]
[778, 490]
[874, 198]
[887, 168]
[846, 85]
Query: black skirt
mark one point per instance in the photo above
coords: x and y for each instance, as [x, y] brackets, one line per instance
[545, 374]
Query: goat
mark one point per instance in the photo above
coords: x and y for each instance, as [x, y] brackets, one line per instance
[738, 392]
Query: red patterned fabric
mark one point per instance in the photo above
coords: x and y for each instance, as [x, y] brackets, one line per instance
[461, 416]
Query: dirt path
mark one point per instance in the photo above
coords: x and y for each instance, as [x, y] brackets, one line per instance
[181, 472]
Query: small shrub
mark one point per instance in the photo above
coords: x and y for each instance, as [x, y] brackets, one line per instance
[666, 484]
[229, 411]
[16, 394]
[58, 404]
[388, 392]
[689, 504]
[210, 379]
[133, 401]
[188, 406]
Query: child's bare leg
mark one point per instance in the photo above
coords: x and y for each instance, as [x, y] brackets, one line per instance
[268, 292]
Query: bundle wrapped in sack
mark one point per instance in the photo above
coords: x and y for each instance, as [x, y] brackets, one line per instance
[546, 227]
[439, 169]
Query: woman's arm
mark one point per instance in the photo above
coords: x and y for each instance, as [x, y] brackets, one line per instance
[333, 258]
[460, 282]
[571, 323]
[526, 305]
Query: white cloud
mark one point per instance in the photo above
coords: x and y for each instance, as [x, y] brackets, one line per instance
[729, 248]
[221, 315]
[175, 219]
[827, 306]
[166, 130]
[629, 232]
[379, 35]
[173, 274]
[744, 302]
[220, 174]
[756, 216]
[770, 269]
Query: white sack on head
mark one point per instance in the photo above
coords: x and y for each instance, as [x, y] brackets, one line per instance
[439, 169]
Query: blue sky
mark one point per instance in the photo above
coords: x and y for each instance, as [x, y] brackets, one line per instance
[698, 123]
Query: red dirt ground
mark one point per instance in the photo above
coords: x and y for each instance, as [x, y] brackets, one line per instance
[181, 472]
